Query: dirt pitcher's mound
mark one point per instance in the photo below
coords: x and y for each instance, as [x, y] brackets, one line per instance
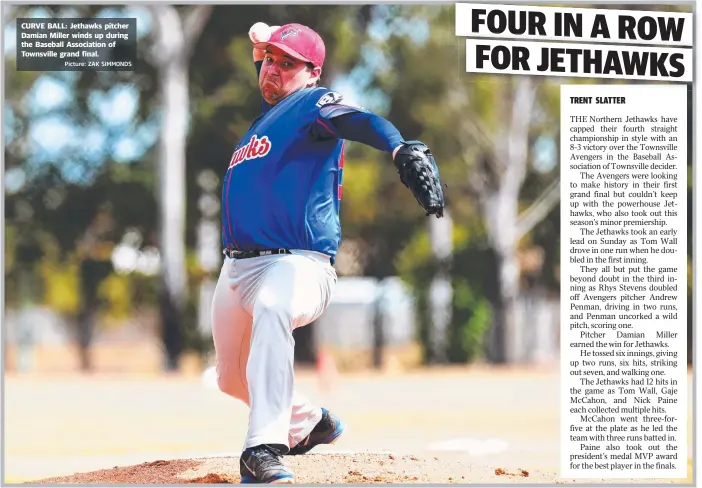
[327, 468]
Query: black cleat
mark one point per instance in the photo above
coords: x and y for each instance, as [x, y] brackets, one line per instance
[262, 464]
[327, 431]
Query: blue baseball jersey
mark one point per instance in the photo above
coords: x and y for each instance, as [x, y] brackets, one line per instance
[283, 185]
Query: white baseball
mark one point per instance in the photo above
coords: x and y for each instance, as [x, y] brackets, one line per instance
[259, 32]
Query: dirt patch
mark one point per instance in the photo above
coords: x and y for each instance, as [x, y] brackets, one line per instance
[214, 479]
[157, 472]
[328, 468]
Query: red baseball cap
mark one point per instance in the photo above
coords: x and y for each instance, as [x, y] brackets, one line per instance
[299, 41]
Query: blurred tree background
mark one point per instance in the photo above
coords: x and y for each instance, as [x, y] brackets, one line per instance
[95, 162]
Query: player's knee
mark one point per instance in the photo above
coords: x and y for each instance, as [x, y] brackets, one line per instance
[274, 309]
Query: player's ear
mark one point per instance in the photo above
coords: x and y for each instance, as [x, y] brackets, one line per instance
[315, 73]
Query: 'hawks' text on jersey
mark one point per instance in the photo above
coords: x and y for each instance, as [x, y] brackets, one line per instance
[283, 185]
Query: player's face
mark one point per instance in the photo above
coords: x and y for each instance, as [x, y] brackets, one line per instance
[282, 75]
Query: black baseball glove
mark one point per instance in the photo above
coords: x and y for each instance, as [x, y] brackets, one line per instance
[419, 173]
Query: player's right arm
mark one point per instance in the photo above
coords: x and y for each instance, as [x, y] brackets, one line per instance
[258, 55]
[260, 32]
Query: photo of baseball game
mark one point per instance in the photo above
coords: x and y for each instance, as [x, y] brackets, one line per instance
[280, 244]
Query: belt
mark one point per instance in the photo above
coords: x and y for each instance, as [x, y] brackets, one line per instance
[236, 254]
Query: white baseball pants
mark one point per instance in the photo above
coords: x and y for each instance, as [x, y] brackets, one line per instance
[257, 304]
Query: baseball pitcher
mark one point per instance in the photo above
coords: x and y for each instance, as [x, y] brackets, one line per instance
[281, 232]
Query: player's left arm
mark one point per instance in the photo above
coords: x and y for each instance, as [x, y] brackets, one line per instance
[413, 159]
[357, 124]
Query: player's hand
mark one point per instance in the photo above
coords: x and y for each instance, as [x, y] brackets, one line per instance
[261, 32]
